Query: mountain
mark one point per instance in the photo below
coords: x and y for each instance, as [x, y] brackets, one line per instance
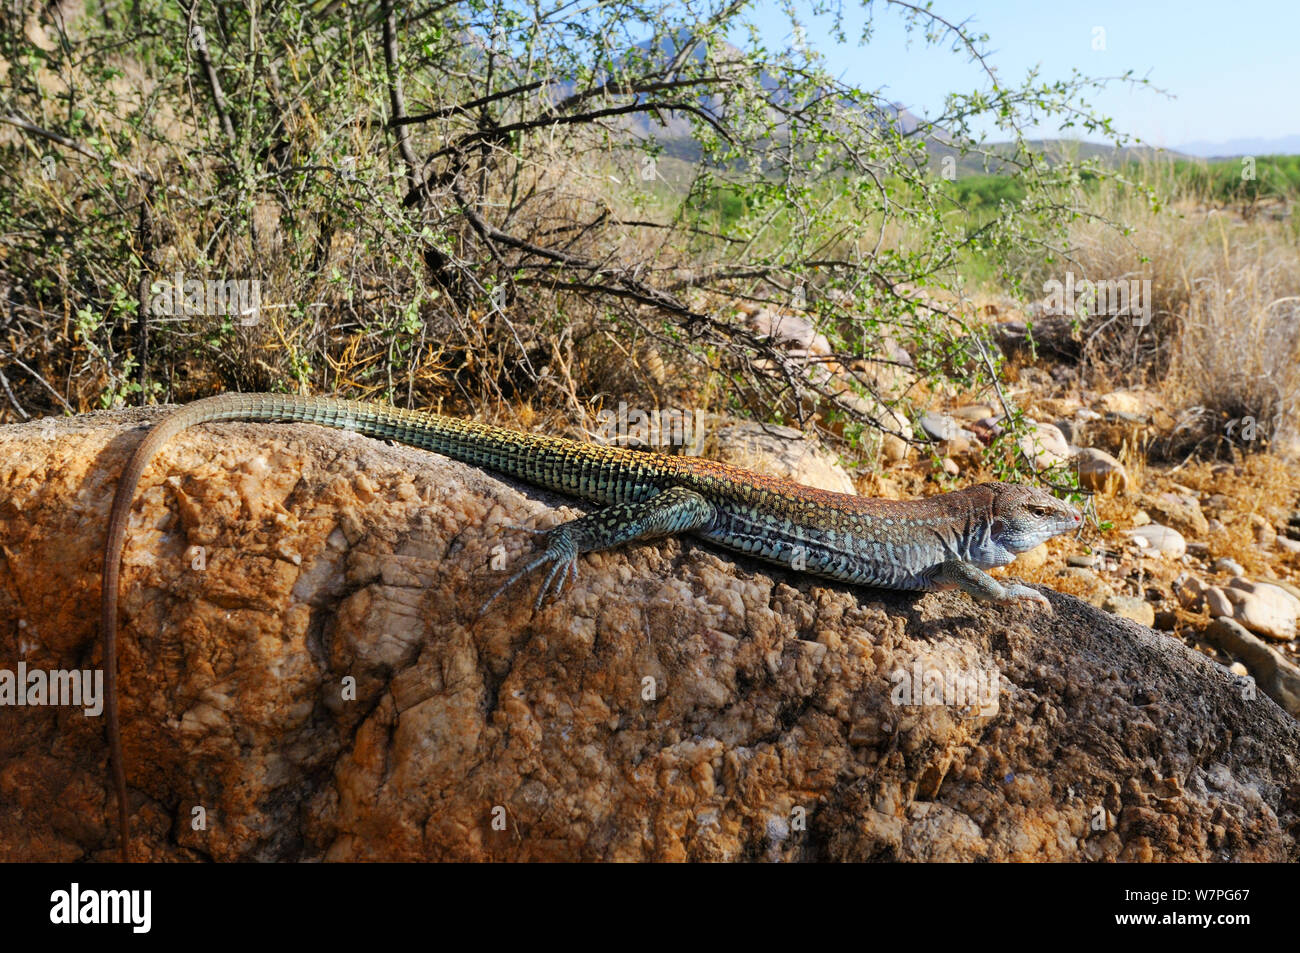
[674, 133]
[1283, 145]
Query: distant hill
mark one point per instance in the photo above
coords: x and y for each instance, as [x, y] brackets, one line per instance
[1056, 150]
[674, 133]
[1282, 146]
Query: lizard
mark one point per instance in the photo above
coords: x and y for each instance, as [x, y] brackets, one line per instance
[940, 542]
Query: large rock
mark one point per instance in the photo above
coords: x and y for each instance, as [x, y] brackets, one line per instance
[326, 689]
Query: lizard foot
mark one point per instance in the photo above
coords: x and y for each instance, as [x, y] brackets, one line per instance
[1024, 592]
[560, 553]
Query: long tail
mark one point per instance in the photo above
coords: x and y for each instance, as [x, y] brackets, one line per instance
[562, 465]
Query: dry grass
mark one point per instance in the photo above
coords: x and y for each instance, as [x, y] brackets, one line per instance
[1224, 340]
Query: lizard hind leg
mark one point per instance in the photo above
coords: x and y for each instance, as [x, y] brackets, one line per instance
[671, 511]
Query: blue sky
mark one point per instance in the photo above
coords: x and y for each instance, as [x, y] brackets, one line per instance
[1234, 68]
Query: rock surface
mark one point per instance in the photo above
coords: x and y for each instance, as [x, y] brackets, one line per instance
[317, 678]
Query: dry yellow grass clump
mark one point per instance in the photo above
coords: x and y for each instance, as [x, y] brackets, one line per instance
[1223, 343]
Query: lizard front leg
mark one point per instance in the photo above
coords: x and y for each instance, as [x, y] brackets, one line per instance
[956, 574]
[672, 511]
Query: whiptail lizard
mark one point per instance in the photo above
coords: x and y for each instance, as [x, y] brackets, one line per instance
[941, 542]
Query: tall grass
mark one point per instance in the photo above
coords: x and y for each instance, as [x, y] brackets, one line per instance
[1223, 344]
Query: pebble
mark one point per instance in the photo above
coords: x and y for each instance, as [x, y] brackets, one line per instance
[973, 412]
[1190, 592]
[1045, 446]
[1131, 607]
[939, 426]
[1100, 472]
[1159, 539]
[1265, 534]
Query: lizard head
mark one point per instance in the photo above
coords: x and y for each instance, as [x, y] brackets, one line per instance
[1025, 516]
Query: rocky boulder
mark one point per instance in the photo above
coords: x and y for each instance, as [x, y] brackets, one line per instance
[303, 659]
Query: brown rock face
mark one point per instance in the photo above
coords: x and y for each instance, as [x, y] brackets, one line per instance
[306, 677]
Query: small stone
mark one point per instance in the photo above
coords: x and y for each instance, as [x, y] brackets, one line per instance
[1265, 534]
[1280, 594]
[783, 452]
[1182, 511]
[1231, 566]
[1045, 446]
[1141, 518]
[1100, 472]
[1283, 584]
[1160, 539]
[1131, 607]
[1217, 504]
[1190, 592]
[973, 412]
[950, 466]
[1236, 668]
[1218, 602]
[1083, 561]
[1128, 403]
[1274, 673]
[939, 426]
[1035, 558]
